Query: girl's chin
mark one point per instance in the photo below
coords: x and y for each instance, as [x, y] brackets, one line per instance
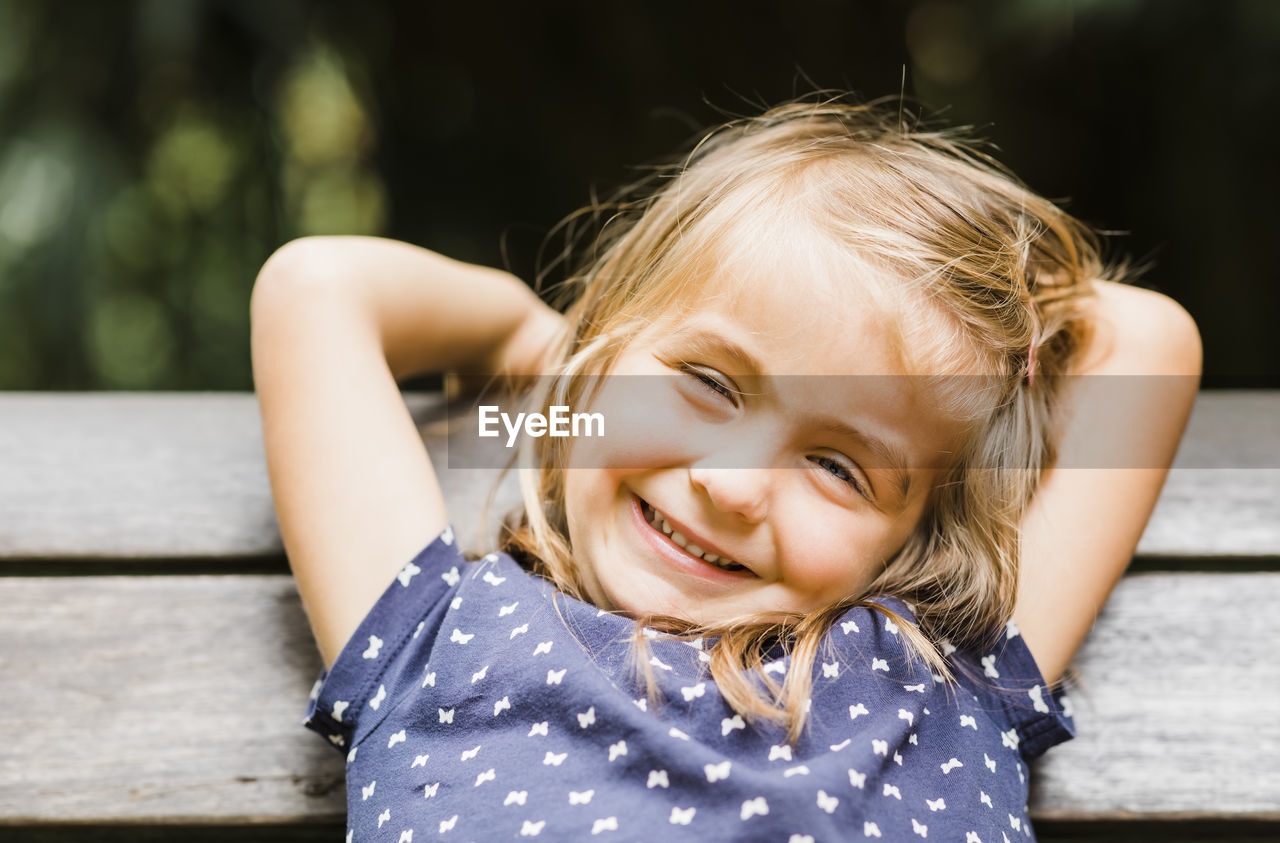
[653, 596]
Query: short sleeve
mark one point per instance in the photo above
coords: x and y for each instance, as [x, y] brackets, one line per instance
[1007, 682]
[346, 699]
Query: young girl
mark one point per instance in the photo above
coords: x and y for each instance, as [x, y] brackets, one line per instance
[777, 600]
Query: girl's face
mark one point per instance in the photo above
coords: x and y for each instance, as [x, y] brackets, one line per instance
[802, 480]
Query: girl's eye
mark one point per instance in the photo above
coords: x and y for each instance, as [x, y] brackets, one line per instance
[840, 472]
[711, 384]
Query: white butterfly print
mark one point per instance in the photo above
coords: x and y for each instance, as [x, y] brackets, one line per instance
[682, 816]
[690, 692]
[408, 572]
[716, 772]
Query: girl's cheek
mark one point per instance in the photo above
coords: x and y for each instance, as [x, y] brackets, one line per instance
[835, 560]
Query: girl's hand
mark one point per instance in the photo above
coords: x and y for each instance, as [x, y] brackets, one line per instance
[536, 345]
[532, 350]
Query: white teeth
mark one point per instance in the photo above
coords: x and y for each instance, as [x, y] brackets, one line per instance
[656, 519]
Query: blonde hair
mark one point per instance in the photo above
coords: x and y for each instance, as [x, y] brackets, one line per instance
[992, 271]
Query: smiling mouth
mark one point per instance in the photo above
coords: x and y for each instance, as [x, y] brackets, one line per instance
[659, 523]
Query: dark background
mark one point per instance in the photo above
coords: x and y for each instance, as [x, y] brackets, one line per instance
[153, 154]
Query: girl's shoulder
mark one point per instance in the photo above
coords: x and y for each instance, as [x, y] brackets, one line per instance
[383, 658]
[997, 680]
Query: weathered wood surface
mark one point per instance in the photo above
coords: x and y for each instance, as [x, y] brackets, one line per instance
[174, 476]
[160, 698]
[179, 699]
[167, 476]
[1179, 704]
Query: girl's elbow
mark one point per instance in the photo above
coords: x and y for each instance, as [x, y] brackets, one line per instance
[1176, 339]
[301, 267]
[1190, 353]
[1157, 336]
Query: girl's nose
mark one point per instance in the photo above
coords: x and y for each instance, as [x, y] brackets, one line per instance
[742, 491]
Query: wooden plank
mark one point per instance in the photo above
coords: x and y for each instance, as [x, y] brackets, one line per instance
[182, 476]
[1178, 706]
[167, 476]
[142, 699]
[160, 698]
[1222, 497]
[167, 833]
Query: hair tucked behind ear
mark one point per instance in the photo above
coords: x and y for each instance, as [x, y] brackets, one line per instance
[988, 270]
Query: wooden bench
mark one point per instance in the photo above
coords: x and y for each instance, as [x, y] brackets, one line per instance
[155, 661]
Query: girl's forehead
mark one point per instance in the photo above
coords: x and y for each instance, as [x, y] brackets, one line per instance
[807, 313]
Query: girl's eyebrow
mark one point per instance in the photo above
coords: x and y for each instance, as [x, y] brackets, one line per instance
[888, 455]
[700, 341]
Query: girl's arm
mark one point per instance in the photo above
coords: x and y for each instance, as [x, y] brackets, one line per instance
[1085, 522]
[336, 322]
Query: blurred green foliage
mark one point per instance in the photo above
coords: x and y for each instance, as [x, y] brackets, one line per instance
[154, 152]
[149, 164]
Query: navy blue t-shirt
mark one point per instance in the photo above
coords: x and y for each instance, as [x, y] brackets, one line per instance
[475, 702]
